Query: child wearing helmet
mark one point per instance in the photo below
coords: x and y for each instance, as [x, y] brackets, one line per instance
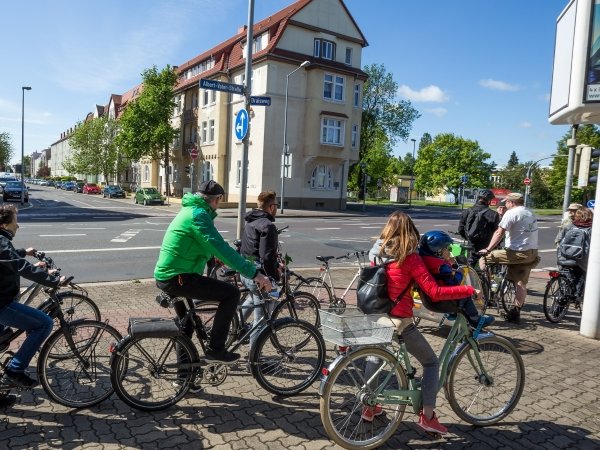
[435, 253]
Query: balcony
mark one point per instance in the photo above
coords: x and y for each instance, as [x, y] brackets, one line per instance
[190, 115]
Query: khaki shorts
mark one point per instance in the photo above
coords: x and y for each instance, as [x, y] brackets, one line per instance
[519, 262]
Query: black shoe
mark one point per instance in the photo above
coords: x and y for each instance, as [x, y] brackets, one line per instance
[224, 357]
[8, 400]
[513, 315]
[18, 379]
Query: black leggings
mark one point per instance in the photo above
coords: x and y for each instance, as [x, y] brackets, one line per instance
[192, 285]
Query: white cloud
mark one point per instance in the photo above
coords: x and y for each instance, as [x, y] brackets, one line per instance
[440, 112]
[544, 97]
[497, 85]
[430, 93]
[525, 124]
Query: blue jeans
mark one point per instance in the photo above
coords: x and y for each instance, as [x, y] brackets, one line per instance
[253, 303]
[36, 323]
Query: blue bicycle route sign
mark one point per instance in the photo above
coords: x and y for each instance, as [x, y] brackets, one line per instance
[591, 203]
[241, 124]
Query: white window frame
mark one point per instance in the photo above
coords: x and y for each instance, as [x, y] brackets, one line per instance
[213, 97]
[317, 48]
[321, 178]
[204, 131]
[356, 95]
[205, 95]
[146, 173]
[336, 87]
[348, 56]
[207, 171]
[332, 131]
[354, 135]
[211, 130]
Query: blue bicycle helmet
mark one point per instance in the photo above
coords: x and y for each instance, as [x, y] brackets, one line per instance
[434, 241]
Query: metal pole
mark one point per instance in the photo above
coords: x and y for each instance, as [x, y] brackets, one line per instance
[412, 174]
[23, 89]
[247, 93]
[571, 143]
[364, 168]
[285, 151]
[590, 314]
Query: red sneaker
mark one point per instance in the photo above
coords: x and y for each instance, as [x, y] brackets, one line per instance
[431, 425]
[368, 412]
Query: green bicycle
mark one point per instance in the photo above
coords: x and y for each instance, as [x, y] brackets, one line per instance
[483, 377]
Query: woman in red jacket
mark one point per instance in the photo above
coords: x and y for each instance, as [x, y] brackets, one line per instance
[399, 241]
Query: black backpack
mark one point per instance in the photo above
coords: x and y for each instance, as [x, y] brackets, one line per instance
[371, 292]
[476, 226]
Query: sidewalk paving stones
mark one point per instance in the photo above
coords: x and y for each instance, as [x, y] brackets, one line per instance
[560, 406]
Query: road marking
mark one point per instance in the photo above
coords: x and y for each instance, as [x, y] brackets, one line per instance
[89, 250]
[321, 229]
[547, 250]
[371, 227]
[126, 235]
[542, 228]
[349, 240]
[86, 228]
[62, 235]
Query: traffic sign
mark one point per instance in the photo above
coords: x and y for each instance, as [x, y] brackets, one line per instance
[527, 181]
[464, 179]
[260, 101]
[193, 153]
[591, 203]
[215, 85]
[241, 124]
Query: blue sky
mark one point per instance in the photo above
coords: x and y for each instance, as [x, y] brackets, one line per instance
[478, 68]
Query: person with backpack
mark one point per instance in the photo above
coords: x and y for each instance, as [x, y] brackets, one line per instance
[566, 221]
[478, 223]
[574, 247]
[397, 245]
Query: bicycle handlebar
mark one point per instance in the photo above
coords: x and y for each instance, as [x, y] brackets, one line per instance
[357, 253]
[281, 230]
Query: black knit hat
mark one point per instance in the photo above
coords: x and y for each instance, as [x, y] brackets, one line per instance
[211, 187]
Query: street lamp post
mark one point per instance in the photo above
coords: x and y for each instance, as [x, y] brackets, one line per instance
[527, 195]
[23, 89]
[412, 174]
[284, 152]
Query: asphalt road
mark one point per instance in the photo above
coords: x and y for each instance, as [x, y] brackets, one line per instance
[97, 239]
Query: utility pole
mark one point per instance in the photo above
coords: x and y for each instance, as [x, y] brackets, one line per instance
[571, 143]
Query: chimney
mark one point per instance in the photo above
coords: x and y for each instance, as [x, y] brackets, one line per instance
[242, 29]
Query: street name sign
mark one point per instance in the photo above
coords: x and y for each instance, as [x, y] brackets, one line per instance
[260, 101]
[241, 124]
[215, 85]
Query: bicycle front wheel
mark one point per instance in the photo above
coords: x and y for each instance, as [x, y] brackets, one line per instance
[300, 306]
[349, 392]
[206, 310]
[508, 293]
[317, 287]
[153, 373]
[556, 303]
[287, 358]
[485, 384]
[80, 375]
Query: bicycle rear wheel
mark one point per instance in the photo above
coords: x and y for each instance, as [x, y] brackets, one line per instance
[300, 306]
[556, 300]
[485, 394]
[80, 375]
[153, 373]
[77, 306]
[317, 287]
[288, 358]
[507, 294]
[346, 394]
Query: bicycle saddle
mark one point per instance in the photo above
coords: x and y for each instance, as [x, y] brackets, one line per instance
[325, 258]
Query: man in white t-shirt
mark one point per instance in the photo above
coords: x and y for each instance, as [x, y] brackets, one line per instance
[519, 227]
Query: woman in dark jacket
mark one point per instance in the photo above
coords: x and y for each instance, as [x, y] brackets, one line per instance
[38, 325]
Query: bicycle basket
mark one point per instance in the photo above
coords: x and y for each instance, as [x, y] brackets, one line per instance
[350, 326]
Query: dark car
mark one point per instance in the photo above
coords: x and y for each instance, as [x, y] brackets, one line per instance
[68, 185]
[113, 192]
[12, 191]
[78, 187]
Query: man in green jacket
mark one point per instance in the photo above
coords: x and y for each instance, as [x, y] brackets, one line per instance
[189, 242]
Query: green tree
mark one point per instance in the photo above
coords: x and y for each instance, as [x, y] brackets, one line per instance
[95, 149]
[6, 150]
[146, 130]
[513, 160]
[441, 164]
[426, 140]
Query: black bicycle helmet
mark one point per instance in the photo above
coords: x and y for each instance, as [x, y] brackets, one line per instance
[486, 194]
[434, 241]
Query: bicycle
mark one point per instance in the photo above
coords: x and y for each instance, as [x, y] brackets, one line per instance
[322, 287]
[562, 290]
[156, 364]
[73, 362]
[483, 377]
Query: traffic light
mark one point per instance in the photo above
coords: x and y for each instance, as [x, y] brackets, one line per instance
[588, 166]
[187, 169]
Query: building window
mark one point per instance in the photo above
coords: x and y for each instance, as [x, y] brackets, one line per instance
[238, 172]
[356, 95]
[205, 94]
[317, 50]
[195, 100]
[213, 97]
[204, 130]
[332, 131]
[146, 173]
[333, 87]
[211, 131]
[194, 135]
[354, 135]
[324, 49]
[321, 178]
[348, 56]
[207, 171]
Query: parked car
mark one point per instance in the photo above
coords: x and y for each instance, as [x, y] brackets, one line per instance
[112, 191]
[148, 196]
[58, 185]
[4, 180]
[50, 183]
[12, 191]
[78, 187]
[91, 188]
[68, 185]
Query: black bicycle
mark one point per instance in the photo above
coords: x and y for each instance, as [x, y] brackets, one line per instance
[73, 364]
[564, 288]
[157, 364]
